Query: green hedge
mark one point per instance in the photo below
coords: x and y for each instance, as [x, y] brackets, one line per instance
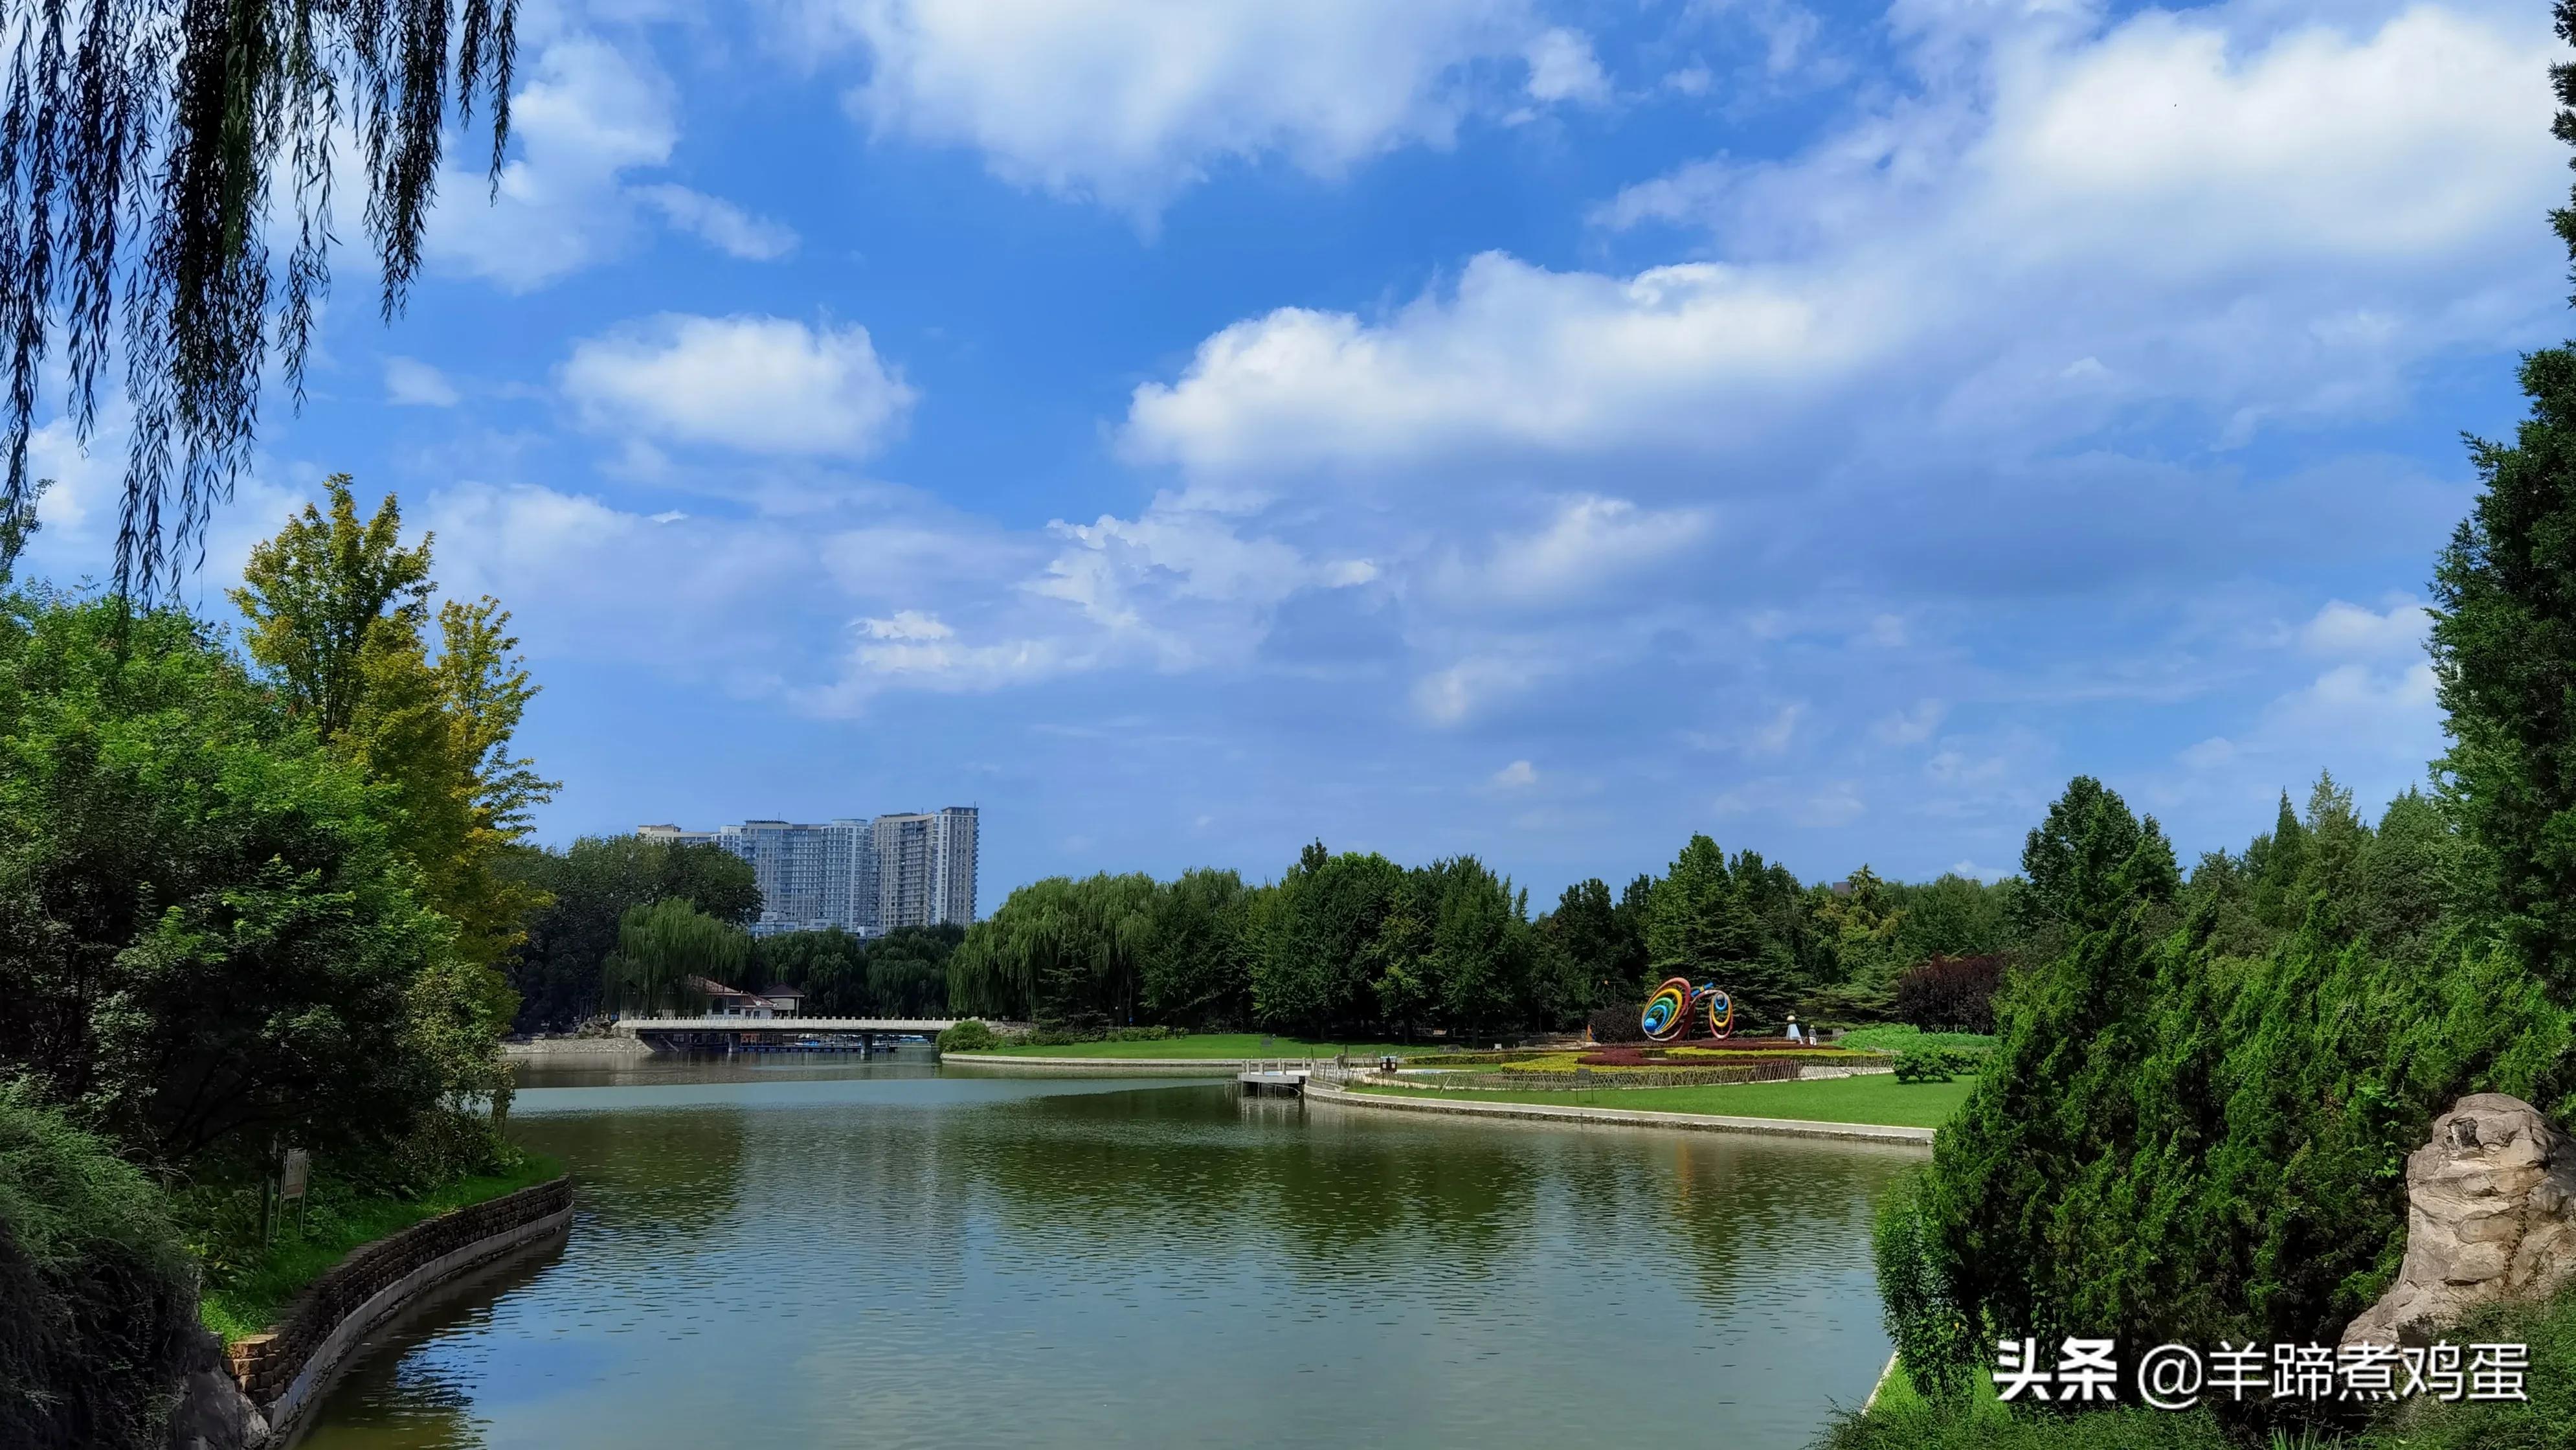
[1901, 1038]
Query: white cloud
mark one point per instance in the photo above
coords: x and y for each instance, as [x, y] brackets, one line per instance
[1774, 737]
[1562, 68]
[720, 224]
[1911, 727]
[1515, 357]
[1518, 775]
[2279, 195]
[768, 385]
[2356, 631]
[1835, 803]
[409, 381]
[1129, 101]
[590, 116]
[1591, 543]
[1454, 694]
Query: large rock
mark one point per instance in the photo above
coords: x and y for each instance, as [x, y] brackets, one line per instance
[213, 1413]
[2490, 1215]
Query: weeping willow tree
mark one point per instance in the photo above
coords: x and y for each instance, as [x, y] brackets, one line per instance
[1059, 951]
[140, 144]
[663, 950]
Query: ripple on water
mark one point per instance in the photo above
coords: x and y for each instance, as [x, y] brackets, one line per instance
[893, 1258]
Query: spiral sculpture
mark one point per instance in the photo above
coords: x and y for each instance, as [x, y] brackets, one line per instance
[1668, 1012]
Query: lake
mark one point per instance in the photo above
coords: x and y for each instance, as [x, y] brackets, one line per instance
[808, 1253]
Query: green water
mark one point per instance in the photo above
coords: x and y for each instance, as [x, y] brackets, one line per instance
[801, 1257]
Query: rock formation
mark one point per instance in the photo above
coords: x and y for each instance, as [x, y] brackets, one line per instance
[2490, 1215]
[213, 1413]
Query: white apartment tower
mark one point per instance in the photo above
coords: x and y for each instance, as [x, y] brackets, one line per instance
[863, 876]
[926, 868]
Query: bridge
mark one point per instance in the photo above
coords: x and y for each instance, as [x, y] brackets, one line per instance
[729, 1033]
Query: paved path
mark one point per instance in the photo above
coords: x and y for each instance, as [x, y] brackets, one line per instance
[1625, 1118]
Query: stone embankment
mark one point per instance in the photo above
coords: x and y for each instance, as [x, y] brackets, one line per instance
[1210, 1066]
[1620, 1117]
[552, 1049]
[284, 1371]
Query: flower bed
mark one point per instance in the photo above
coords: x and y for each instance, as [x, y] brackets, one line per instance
[1711, 1053]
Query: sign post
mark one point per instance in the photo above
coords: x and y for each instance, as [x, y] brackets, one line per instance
[292, 1180]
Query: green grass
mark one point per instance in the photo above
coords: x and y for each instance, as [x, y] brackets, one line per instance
[1898, 1038]
[253, 1295]
[1203, 1045]
[1878, 1100]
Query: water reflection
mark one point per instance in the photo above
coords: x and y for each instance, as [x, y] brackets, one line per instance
[881, 1255]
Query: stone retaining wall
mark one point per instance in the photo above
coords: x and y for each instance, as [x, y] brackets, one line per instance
[284, 1369]
[547, 1048]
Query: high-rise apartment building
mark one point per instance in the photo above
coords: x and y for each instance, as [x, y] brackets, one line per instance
[926, 868]
[863, 876]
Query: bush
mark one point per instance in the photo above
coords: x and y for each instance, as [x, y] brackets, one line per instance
[1952, 992]
[1616, 1024]
[1898, 1038]
[968, 1036]
[1934, 1342]
[1932, 1064]
[100, 1300]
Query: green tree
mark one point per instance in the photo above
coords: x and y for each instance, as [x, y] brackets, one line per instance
[665, 950]
[1064, 953]
[2088, 861]
[585, 889]
[146, 143]
[216, 945]
[1595, 952]
[1695, 923]
[2504, 654]
[18, 524]
[1198, 969]
[338, 617]
[1325, 949]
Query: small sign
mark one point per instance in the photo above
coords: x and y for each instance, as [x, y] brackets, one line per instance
[297, 1173]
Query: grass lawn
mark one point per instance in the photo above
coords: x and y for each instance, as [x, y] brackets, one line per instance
[1880, 1100]
[252, 1296]
[1204, 1044]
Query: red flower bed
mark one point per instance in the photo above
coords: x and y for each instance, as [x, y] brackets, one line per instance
[1699, 1052]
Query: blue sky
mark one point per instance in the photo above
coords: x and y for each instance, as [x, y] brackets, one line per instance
[1187, 428]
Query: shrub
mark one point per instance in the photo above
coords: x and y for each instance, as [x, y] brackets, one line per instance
[101, 1302]
[1933, 1339]
[1930, 1064]
[1616, 1024]
[1952, 992]
[968, 1036]
[1146, 1034]
[1897, 1037]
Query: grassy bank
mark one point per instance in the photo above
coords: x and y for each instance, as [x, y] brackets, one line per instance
[1901, 1420]
[1220, 1045]
[1877, 1100]
[253, 1294]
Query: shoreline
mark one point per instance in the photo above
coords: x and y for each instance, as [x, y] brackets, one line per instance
[1626, 1117]
[549, 1049]
[1212, 1066]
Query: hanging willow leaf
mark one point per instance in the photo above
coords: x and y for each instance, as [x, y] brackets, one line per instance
[140, 144]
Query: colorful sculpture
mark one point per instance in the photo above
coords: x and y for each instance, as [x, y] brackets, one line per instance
[1668, 1012]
